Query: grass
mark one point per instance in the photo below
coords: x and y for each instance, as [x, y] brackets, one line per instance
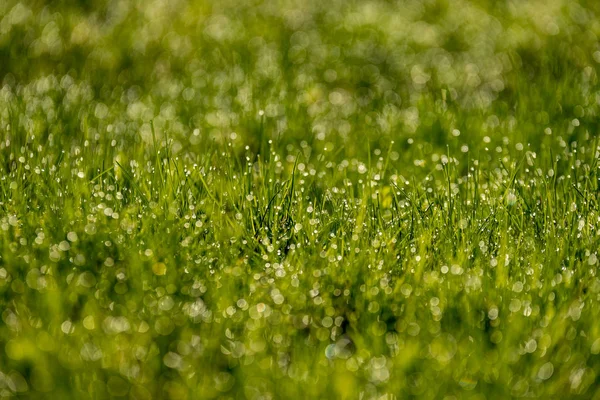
[362, 199]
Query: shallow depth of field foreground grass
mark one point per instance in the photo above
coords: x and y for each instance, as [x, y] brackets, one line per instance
[299, 199]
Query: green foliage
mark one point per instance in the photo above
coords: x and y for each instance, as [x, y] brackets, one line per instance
[273, 199]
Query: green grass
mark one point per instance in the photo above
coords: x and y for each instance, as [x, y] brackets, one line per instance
[345, 199]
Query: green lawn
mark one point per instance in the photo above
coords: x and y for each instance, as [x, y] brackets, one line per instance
[299, 199]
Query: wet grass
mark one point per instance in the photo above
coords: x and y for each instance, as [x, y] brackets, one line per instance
[299, 200]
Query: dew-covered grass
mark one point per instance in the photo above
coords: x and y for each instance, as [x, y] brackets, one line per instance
[299, 199]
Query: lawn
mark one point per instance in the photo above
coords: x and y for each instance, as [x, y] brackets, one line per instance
[269, 199]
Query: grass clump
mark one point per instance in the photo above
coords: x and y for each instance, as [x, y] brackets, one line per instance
[312, 199]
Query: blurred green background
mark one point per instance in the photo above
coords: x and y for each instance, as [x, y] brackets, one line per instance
[335, 69]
